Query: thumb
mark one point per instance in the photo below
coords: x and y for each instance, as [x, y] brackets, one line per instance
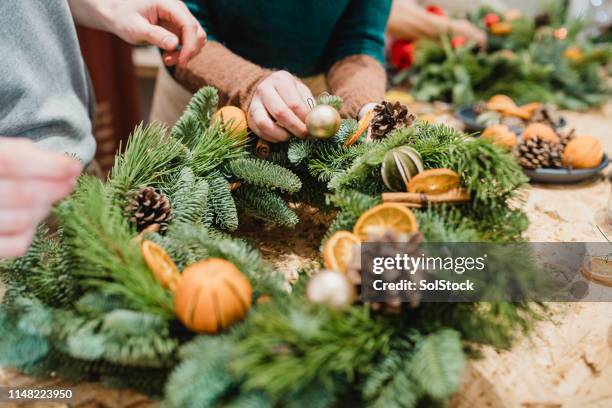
[160, 37]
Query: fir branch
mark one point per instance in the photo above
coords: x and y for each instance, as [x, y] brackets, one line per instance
[266, 205]
[203, 105]
[437, 363]
[332, 100]
[264, 174]
[300, 150]
[187, 129]
[189, 198]
[221, 207]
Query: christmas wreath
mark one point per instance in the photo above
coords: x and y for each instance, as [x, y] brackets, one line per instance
[142, 285]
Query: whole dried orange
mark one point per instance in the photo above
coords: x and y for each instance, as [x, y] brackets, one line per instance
[434, 181]
[338, 251]
[387, 216]
[233, 119]
[364, 124]
[160, 263]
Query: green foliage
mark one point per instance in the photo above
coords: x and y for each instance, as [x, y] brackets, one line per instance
[266, 205]
[98, 239]
[262, 173]
[214, 147]
[221, 207]
[189, 198]
[150, 157]
[203, 105]
[332, 100]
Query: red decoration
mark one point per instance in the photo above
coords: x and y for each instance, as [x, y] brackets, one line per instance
[458, 41]
[402, 54]
[491, 18]
[436, 10]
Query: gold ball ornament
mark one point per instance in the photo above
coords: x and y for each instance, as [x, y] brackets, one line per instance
[583, 152]
[211, 295]
[322, 122]
[331, 288]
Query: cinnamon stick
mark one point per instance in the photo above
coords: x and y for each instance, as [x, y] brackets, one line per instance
[262, 149]
[457, 195]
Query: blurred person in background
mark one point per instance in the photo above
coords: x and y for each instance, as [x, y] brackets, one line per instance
[269, 58]
[46, 102]
[409, 20]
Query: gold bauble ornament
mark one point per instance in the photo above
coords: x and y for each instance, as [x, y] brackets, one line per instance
[331, 288]
[323, 121]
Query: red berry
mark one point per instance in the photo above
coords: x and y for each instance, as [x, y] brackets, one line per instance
[435, 10]
[402, 54]
[491, 18]
[458, 41]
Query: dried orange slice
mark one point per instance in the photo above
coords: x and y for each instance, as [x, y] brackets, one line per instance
[364, 124]
[434, 181]
[338, 251]
[160, 263]
[387, 216]
[531, 107]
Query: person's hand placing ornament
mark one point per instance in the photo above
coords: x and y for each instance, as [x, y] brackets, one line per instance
[279, 108]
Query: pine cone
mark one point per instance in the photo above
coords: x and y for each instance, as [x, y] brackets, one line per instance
[149, 206]
[389, 116]
[547, 114]
[566, 137]
[390, 244]
[536, 153]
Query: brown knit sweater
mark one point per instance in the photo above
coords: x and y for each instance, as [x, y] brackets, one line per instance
[358, 79]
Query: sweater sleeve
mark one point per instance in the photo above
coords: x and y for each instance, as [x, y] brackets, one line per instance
[360, 30]
[357, 79]
[235, 78]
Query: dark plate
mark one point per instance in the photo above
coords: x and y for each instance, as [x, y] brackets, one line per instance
[565, 176]
[468, 116]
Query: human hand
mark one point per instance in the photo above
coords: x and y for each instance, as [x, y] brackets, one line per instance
[163, 23]
[468, 30]
[279, 108]
[31, 180]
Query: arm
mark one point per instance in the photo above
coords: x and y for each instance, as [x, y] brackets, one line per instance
[163, 23]
[409, 21]
[356, 55]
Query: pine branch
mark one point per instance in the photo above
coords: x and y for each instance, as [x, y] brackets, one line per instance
[149, 158]
[266, 205]
[332, 100]
[214, 148]
[187, 129]
[203, 105]
[99, 239]
[264, 174]
[437, 364]
[189, 198]
[221, 207]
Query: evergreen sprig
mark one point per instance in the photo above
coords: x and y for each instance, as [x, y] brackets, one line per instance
[264, 174]
[266, 205]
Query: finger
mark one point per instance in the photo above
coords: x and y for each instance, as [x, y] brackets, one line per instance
[280, 111]
[160, 37]
[20, 193]
[28, 161]
[170, 58]
[262, 124]
[293, 99]
[178, 14]
[13, 245]
[18, 220]
[304, 91]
